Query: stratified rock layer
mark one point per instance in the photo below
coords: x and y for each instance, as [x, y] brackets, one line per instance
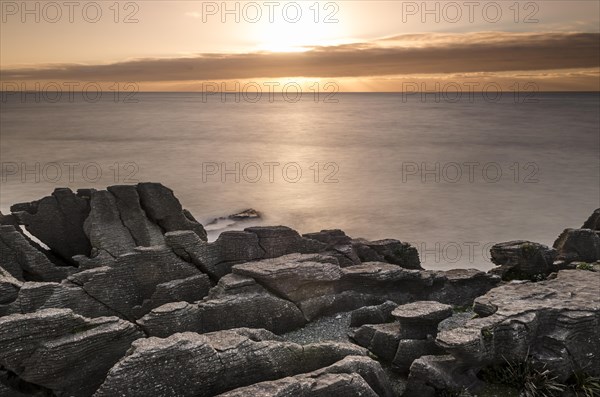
[556, 322]
[62, 351]
[225, 359]
[130, 299]
[354, 376]
[523, 260]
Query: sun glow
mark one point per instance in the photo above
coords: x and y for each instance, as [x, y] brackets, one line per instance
[282, 36]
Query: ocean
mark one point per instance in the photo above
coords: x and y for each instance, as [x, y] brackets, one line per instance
[450, 176]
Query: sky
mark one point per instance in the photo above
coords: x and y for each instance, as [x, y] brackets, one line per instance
[360, 45]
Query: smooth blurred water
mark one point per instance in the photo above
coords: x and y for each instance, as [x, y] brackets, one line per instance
[372, 142]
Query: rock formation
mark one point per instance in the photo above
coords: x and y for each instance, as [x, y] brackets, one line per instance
[554, 322]
[523, 260]
[118, 292]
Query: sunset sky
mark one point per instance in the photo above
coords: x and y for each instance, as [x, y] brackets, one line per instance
[361, 45]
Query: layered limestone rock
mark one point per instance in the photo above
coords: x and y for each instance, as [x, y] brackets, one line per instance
[226, 360]
[281, 294]
[389, 250]
[127, 266]
[34, 296]
[217, 258]
[354, 376]
[593, 222]
[409, 337]
[9, 291]
[523, 260]
[24, 261]
[581, 245]
[320, 286]
[113, 221]
[138, 281]
[57, 220]
[235, 302]
[555, 323]
[61, 351]
[377, 314]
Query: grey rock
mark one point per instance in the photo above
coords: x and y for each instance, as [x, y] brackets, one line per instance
[389, 250]
[190, 289]
[332, 238]
[226, 360]
[411, 349]
[35, 296]
[344, 301]
[319, 286]
[431, 376]
[352, 376]
[164, 209]
[294, 278]
[578, 245]
[460, 287]
[9, 287]
[281, 240]
[145, 233]
[322, 385]
[556, 322]
[216, 259]
[99, 258]
[43, 348]
[522, 260]
[408, 338]
[338, 244]
[593, 222]
[423, 311]
[233, 284]
[104, 227]
[256, 309]
[24, 261]
[373, 314]
[381, 339]
[57, 221]
[133, 279]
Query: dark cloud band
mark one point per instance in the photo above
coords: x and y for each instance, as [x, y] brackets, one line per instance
[428, 54]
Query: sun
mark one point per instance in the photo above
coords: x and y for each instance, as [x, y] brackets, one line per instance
[282, 36]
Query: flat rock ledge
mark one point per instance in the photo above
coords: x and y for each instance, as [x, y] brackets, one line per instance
[555, 323]
[117, 292]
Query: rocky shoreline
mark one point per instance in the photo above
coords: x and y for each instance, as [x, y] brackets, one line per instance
[117, 292]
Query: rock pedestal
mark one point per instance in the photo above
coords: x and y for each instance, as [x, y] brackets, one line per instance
[409, 337]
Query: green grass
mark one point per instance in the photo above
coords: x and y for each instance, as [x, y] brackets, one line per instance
[586, 266]
[584, 385]
[530, 379]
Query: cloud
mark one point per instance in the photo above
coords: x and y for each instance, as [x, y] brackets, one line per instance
[399, 55]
